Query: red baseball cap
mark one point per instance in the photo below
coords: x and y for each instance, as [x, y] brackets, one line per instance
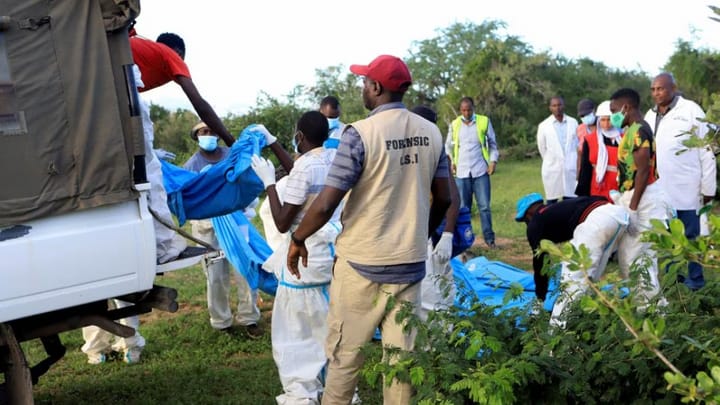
[389, 70]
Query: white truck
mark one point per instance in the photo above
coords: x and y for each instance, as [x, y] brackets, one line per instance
[75, 229]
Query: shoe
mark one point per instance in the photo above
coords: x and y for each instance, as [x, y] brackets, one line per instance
[96, 358]
[254, 331]
[491, 245]
[132, 355]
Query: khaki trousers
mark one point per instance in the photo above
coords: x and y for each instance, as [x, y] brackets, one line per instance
[357, 308]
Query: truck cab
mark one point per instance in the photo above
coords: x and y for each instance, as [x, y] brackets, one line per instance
[75, 229]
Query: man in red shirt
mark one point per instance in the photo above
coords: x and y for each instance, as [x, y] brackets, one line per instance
[162, 61]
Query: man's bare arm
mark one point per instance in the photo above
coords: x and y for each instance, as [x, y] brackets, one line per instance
[204, 110]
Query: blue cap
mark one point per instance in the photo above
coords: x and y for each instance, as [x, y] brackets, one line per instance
[524, 203]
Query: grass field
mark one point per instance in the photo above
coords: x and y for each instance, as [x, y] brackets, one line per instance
[185, 361]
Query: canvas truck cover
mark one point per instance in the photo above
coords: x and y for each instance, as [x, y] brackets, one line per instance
[69, 129]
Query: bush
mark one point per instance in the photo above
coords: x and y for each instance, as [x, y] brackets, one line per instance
[609, 352]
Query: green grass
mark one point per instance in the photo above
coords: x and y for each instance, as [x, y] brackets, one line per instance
[511, 181]
[185, 361]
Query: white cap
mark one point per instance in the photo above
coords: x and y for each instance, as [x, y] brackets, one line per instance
[603, 109]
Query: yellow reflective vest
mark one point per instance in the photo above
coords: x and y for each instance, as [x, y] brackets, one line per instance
[481, 123]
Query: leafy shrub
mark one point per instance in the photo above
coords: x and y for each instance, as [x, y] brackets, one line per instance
[609, 352]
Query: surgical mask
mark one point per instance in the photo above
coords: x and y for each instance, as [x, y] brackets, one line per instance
[333, 124]
[468, 119]
[616, 119]
[589, 119]
[207, 143]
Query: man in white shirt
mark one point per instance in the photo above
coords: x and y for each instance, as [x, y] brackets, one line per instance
[472, 147]
[687, 177]
[558, 145]
[300, 309]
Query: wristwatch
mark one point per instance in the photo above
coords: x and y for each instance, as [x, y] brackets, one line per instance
[296, 240]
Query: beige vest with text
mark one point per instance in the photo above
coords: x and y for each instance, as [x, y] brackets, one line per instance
[385, 218]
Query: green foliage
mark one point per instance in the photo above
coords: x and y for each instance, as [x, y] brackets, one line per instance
[172, 131]
[509, 82]
[278, 116]
[504, 77]
[339, 82]
[696, 70]
[611, 351]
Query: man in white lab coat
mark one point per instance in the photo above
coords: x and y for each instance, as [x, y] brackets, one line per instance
[558, 146]
[687, 177]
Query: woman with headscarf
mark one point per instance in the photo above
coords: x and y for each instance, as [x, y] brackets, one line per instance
[598, 162]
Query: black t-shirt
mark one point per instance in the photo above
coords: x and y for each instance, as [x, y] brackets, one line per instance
[557, 222]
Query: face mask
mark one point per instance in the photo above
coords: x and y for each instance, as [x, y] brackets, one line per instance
[616, 119]
[207, 143]
[333, 124]
[468, 119]
[589, 119]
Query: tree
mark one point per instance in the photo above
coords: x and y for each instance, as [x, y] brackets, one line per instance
[172, 131]
[697, 72]
[437, 63]
[339, 82]
[278, 116]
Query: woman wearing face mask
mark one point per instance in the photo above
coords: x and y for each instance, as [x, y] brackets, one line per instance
[598, 160]
[587, 127]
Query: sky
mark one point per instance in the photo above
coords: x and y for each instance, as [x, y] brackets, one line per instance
[238, 50]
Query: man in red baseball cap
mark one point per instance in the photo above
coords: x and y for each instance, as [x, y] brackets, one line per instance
[389, 165]
[389, 70]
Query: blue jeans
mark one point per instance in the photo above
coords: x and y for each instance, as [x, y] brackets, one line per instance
[695, 279]
[480, 187]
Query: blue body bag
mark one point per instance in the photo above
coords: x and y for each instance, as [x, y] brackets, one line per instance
[463, 236]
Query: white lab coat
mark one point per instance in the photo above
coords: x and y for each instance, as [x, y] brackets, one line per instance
[689, 174]
[559, 162]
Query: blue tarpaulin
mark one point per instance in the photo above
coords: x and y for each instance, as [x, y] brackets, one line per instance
[220, 193]
[489, 281]
[246, 249]
[228, 186]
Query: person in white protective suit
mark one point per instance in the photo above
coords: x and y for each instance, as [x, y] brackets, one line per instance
[98, 342]
[218, 270]
[168, 243]
[299, 318]
[592, 221]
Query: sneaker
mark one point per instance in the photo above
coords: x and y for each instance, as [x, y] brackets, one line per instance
[491, 245]
[96, 358]
[254, 331]
[132, 355]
